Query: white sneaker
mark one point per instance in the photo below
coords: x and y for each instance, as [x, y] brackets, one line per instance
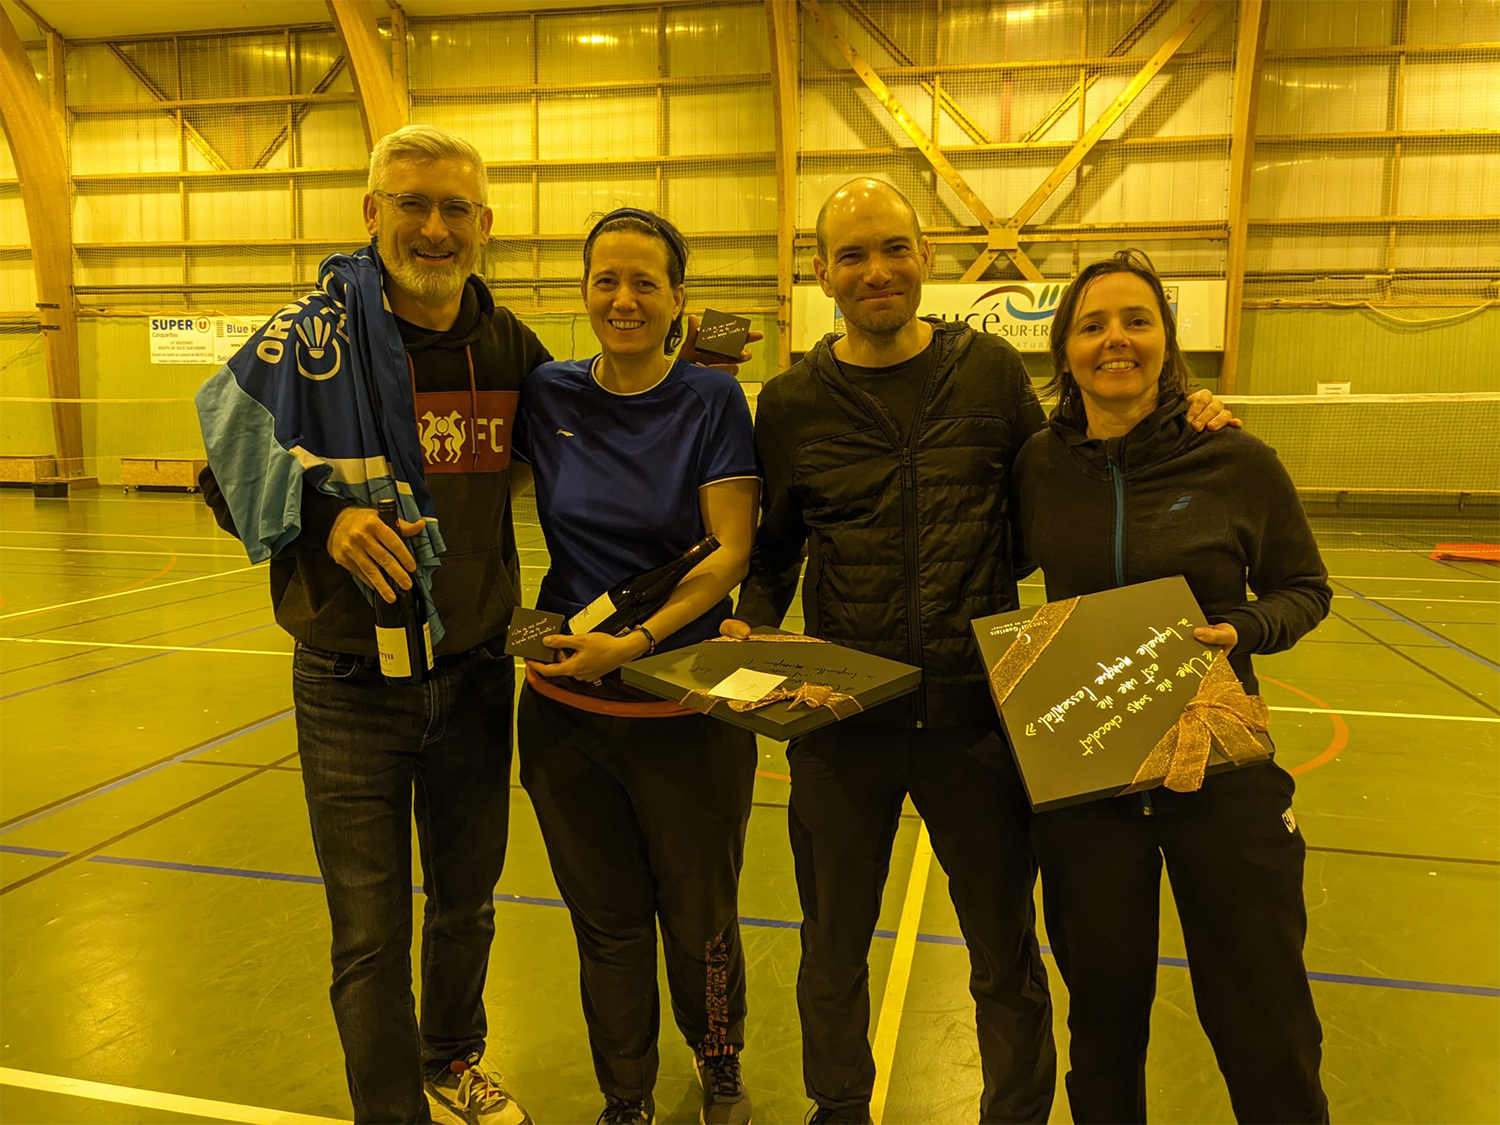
[466, 1094]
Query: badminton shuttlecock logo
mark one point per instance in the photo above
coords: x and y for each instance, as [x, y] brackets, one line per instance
[319, 355]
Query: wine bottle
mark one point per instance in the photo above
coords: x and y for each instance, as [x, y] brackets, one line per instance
[402, 636]
[626, 604]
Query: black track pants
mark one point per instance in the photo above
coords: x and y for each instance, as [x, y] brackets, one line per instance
[644, 821]
[1234, 858]
[848, 783]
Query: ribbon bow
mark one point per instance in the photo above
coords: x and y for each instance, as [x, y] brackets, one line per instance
[811, 696]
[1219, 712]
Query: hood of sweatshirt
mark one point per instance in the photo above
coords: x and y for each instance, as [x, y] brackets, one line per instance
[472, 310]
[1162, 434]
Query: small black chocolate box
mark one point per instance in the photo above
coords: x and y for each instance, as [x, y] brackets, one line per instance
[722, 334]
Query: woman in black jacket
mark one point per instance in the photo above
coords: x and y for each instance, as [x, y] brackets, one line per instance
[1119, 490]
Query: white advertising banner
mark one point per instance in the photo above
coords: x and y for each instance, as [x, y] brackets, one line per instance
[1018, 311]
[191, 338]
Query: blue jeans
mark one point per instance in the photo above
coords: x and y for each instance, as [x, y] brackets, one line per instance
[367, 746]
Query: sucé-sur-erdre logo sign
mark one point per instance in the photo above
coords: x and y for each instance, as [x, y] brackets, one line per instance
[1015, 311]
[1020, 312]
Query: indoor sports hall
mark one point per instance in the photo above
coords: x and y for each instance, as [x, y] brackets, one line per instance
[1316, 181]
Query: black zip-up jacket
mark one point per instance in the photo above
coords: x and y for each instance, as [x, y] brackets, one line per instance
[907, 542]
[1164, 500]
[477, 586]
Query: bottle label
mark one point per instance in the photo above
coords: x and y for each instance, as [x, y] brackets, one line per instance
[591, 614]
[391, 644]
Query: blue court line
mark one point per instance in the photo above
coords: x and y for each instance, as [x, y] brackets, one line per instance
[147, 772]
[1312, 974]
[128, 663]
[1419, 627]
[201, 869]
[758, 923]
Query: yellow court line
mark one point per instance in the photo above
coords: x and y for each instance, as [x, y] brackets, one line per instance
[893, 1005]
[225, 538]
[1336, 577]
[95, 498]
[1418, 551]
[155, 1099]
[149, 648]
[120, 551]
[1410, 578]
[1390, 714]
[1388, 598]
[125, 593]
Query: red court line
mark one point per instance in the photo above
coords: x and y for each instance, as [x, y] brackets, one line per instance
[772, 776]
[1340, 729]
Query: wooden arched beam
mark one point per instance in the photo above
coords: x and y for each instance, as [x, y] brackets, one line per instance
[781, 30]
[42, 167]
[382, 107]
[1250, 49]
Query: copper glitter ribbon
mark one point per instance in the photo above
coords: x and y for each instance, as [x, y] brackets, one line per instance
[811, 696]
[1219, 712]
[1029, 644]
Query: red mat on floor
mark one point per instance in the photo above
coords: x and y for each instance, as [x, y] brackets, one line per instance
[1470, 552]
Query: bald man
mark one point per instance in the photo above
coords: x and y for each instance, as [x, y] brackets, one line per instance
[887, 451]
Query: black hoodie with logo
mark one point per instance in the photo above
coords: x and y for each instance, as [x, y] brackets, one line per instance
[467, 381]
[1217, 508]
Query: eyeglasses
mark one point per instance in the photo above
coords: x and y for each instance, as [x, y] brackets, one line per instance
[414, 209]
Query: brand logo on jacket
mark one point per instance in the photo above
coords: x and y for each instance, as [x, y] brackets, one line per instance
[1289, 820]
[1181, 503]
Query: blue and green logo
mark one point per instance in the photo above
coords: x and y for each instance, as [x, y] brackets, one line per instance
[1038, 306]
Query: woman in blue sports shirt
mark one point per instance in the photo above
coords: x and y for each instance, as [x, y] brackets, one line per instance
[643, 804]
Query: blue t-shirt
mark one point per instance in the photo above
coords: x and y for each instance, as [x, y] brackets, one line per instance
[617, 476]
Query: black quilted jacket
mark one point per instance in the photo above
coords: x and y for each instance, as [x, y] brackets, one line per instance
[906, 544]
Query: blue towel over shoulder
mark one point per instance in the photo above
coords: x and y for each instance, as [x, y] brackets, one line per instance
[321, 394]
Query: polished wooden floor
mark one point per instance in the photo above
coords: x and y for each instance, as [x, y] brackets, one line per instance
[165, 936]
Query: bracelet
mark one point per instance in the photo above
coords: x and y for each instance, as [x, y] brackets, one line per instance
[650, 640]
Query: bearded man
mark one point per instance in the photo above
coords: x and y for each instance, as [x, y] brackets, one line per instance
[283, 422]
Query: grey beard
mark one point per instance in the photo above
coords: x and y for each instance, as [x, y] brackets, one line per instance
[427, 284]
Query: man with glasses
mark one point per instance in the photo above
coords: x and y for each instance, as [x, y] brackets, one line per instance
[369, 747]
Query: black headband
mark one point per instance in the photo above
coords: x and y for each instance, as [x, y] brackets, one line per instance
[655, 222]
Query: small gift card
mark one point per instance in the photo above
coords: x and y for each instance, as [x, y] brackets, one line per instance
[722, 335]
[746, 685]
[527, 628]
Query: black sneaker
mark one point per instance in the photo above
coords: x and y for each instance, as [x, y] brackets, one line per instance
[627, 1111]
[725, 1099]
[825, 1115]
